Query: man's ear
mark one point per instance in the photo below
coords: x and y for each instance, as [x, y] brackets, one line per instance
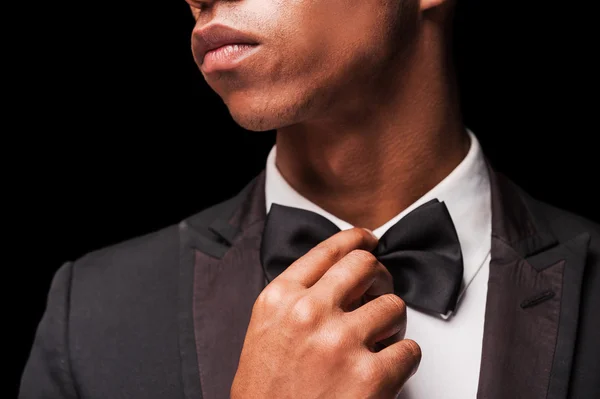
[428, 4]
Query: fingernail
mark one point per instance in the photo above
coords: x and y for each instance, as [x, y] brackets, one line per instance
[370, 232]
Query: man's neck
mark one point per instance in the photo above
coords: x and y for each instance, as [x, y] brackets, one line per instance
[368, 160]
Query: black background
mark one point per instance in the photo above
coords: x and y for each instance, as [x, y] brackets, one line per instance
[111, 132]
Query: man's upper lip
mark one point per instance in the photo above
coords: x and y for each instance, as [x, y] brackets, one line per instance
[214, 36]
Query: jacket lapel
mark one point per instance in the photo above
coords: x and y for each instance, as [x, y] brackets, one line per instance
[221, 277]
[531, 311]
[532, 301]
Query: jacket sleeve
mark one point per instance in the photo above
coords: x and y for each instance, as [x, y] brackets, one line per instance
[47, 372]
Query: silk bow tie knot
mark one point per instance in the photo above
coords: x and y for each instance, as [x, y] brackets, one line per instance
[421, 251]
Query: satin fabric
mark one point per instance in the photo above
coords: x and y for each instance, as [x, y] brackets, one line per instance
[421, 251]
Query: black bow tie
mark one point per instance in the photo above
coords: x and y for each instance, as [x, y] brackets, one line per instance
[421, 251]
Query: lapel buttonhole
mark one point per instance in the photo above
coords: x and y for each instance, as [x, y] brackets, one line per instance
[537, 299]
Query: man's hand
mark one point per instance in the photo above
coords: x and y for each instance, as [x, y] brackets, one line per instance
[314, 333]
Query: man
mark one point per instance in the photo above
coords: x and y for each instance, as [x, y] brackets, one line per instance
[466, 287]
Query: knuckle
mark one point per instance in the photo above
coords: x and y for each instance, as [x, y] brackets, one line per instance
[364, 257]
[369, 372]
[272, 296]
[306, 311]
[328, 251]
[412, 350]
[335, 340]
[395, 302]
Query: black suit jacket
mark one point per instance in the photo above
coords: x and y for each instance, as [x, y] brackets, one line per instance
[165, 315]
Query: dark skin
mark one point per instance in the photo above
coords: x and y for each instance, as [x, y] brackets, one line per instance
[364, 102]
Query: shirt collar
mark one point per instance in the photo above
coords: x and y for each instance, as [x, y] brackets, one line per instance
[465, 191]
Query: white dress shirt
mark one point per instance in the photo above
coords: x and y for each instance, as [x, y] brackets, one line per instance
[451, 344]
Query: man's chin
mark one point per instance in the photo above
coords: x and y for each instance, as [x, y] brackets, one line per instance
[255, 123]
[259, 120]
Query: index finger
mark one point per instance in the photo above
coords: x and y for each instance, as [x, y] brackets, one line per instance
[308, 269]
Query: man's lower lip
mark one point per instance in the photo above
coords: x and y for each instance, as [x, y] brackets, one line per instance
[227, 57]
